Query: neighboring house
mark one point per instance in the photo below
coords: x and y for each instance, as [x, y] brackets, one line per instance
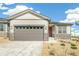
[33, 26]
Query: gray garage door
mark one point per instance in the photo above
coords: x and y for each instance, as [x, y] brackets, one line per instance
[28, 33]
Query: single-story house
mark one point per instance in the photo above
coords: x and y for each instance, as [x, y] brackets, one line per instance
[32, 26]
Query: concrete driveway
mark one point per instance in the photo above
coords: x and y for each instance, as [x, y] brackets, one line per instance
[21, 48]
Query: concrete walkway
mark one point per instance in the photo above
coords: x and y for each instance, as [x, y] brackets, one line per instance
[21, 48]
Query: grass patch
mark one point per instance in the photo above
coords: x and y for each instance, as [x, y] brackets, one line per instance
[73, 47]
[51, 52]
[62, 44]
[72, 44]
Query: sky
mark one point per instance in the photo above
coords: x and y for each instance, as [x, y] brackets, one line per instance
[59, 12]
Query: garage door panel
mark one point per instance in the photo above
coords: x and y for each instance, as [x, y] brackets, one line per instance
[29, 33]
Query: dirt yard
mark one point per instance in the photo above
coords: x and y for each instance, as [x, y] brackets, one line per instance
[4, 40]
[61, 48]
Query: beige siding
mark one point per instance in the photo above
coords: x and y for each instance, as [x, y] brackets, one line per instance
[53, 30]
[62, 36]
[29, 22]
[68, 29]
[6, 28]
[28, 19]
[67, 35]
[28, 16]
[56, 30]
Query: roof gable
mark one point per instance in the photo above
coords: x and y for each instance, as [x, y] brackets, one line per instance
[28, 16]
[25, 12]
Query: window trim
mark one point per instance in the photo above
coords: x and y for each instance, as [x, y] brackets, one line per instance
[63, 29]
[1, 27]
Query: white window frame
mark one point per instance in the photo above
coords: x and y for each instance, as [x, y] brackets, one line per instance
[1, 27]
[62, 29]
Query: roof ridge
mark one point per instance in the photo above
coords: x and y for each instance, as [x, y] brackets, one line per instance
[26, 11]
[19, 12]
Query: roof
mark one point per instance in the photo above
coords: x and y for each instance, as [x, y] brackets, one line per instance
[3, 20]
[26, 11]
[61, 24]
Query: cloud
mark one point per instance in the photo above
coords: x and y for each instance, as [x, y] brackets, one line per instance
[8, 3]
[3, 7]
[38, 11]
[74, 32]
[72, 15]
[72, 11]
[17, 9]
[15, 1]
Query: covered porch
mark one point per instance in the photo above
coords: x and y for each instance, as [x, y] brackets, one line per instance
[51, 30]
[55, 35]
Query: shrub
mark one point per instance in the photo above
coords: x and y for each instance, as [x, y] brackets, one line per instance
[77, 40]
[51, 53]
[62, 44]
[72, 44]
[73, 47]
[48, 47]
[51, 44]
[73, 39]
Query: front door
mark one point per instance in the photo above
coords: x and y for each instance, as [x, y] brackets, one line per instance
[50, 31]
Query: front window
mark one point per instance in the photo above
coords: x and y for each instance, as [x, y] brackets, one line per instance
[59, 29]
[62, 29]
[1, 27]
